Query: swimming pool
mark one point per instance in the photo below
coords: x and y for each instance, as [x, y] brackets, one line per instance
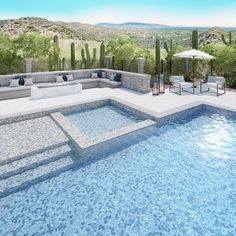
[178, 178]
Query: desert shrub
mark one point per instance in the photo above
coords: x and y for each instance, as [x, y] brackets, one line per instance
[11, 62]
[13, 50]
[126, 51]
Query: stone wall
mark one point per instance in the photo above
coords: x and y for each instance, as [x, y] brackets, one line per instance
[134, 81]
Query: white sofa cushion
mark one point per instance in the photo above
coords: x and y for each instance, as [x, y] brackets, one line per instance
[70, 77]
[59, 79]
[94, 75]
[111, 82]
[14, 83]
[104, 75]
[28, 81]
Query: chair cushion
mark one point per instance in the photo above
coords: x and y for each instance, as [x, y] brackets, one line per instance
[176, 79]
[214, 85]
[220, 79]
[186, 84]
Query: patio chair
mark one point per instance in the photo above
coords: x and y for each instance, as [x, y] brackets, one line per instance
[214, 83]
[179, 83]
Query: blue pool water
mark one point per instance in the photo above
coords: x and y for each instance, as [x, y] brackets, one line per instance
[178, 179]
[98, 121]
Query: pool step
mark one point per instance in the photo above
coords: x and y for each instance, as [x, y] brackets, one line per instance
[37, 151]
[32, 161]
[35, 175]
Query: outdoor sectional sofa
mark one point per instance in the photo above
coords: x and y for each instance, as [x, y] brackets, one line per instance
[133, 81]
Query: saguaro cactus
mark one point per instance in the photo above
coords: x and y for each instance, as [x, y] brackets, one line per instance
[169, 51]
[86, 58]
[195, 39]
[102, 55]
[56, 40]
[55, 61]
[230, 42]
[112, 62]
[84, 61]
[158, 57]
[72, 57]
[63, 63]
[87, 54]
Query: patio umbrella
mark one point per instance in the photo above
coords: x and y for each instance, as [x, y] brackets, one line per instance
[194, 54]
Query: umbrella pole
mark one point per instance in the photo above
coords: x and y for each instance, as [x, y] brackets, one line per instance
[193, 74]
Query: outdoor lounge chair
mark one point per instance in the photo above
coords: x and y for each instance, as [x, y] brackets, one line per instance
[178, 83]
[214, 83]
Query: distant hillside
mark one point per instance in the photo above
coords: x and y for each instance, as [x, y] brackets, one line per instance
[62, 29]
[134, 25]
[142, 33]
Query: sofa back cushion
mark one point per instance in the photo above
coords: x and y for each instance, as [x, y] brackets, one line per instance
[14, 83]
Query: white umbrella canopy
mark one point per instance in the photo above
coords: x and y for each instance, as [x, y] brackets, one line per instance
[194, 54]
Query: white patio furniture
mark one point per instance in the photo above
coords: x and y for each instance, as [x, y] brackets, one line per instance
[178, 84]
[194, 55]
[214, 83]
[54, 90]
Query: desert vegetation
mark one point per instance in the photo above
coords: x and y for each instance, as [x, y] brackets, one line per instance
[62, 46]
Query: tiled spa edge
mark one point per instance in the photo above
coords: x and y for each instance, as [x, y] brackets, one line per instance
[83, 141]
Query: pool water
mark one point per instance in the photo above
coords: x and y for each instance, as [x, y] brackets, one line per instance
[98, 121]
[178, 179]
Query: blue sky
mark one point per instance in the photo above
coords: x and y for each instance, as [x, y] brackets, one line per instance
[170, 12]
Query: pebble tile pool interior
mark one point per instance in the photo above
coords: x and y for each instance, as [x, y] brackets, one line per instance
[100, 120]
[174, 179]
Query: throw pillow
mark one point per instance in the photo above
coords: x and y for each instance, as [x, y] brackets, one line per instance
[70, 77]
[64, 76]
[104, 75]
[112, 77]
[21, 80]
[94, 75]
[99, 74]
[28, 81]
[117, 77]
[14, 83]
[59, 79]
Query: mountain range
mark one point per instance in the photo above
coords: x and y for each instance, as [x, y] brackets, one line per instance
[135, 26]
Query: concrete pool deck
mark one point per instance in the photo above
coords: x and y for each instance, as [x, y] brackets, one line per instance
[158, 106]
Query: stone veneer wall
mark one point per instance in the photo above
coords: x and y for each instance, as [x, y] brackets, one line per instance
[133, 81]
